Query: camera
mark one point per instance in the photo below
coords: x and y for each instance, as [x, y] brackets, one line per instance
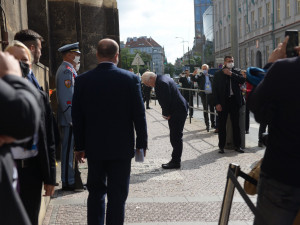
[292, 42]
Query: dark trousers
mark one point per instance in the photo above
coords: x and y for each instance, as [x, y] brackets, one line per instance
[147, 102]
[277, 202]
[30, 181]
[188, 95]
[207, 102]
[176, 125]
[109, 177]
[232, 108]
[247, 125]
[262, 129]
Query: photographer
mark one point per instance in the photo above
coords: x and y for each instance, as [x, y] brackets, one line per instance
[275, 102]
[19, 117]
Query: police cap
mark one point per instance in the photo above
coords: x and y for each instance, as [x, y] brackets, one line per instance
[70, 48]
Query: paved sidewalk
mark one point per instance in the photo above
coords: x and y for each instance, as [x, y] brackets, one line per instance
[191, 195]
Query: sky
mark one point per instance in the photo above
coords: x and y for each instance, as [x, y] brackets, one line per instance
[163, 20]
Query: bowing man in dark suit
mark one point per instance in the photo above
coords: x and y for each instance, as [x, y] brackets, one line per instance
[174, 109]
[228, 100]
[106, 135]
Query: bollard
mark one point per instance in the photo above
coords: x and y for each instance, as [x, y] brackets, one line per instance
[229, 134]
[228, 195]
[243, 125]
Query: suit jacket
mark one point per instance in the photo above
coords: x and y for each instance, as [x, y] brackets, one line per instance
[107, 107]
[200, 79]
[169, 97]
[221, 87]
[275, 101]
[65, 78]
[16, 96]
[185, 82]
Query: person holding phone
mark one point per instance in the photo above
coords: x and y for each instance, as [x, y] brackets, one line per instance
[275, 101]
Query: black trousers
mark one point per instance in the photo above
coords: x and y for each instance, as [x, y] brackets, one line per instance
[247, 118]
[207, 102]
[188, 95]
[30, 181]
[231, 108]
[109, 177]
[262, 129]
[176, 125]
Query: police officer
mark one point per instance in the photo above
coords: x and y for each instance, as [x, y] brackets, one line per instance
[65, 77]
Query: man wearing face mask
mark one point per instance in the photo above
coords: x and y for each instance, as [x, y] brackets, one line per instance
[204, 81]
[65, 77]
[228, 100]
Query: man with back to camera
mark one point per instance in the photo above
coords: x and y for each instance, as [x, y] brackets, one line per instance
[174, 109]
[275, 102]
[65, 78]
[205, 81]
[105, 135]
[228, 100]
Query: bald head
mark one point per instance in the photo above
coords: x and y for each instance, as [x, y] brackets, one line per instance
[108, 50]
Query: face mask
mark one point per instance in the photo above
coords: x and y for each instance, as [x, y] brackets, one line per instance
[205, 72]
[24, 68]
[77, 67]
[76, 60]
[230, 65]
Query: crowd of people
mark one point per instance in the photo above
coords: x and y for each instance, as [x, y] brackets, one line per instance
[29, 139]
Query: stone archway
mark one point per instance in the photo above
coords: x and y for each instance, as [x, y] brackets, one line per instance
[259, 59]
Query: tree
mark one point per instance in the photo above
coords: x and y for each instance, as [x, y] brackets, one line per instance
[127, 58]
[169, 69]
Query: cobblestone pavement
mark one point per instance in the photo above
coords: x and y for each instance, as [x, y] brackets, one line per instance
[191, 195]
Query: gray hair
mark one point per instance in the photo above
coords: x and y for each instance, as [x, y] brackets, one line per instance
[147, 75]
[205, 65]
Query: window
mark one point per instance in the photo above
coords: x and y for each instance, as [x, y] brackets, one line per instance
[252, 58]
[240, 58]
[267, 53]
[260, 17]
[229, 33]
[298, 6]
[245, 24]
[220, 10]
[217, 39]
[268, 9]
[216, 12]
[224, 6]
[225, 39]
[287, 9]
[240, 27]
[246, 57]
[252, 21]
[277, 10]
[220, 38]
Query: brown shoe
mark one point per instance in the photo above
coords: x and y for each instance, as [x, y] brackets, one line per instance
[216, 130]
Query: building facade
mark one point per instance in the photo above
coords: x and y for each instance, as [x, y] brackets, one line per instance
[150, 46]
[261, 25]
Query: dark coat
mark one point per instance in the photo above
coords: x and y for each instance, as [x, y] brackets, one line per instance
[221, 87]
[19, 117]
[200, 79]
[107, 107]
[275, 101]
[169, 97]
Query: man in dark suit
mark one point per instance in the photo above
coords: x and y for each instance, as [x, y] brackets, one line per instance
[228, 100]
[275, 102]
[186, 82]
[106, 135]
[33, 42]
[174, 109]
[205, 81]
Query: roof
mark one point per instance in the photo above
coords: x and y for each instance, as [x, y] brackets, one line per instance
[141, 42]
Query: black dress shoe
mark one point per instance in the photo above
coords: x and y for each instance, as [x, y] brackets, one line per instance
[221, 151]
[171, 165]
[239, 150]
[72, 188]
[247, 131]
[260, 144]
[148, 108]
[207, 128]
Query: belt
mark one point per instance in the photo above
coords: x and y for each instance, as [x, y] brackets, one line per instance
[25, 163]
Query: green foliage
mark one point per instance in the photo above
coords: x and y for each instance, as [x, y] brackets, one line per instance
[127, 59]
[169, 69]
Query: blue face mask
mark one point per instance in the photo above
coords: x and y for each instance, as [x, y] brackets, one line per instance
[205, 72]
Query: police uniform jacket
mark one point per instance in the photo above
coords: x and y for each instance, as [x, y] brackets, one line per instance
[65, 78]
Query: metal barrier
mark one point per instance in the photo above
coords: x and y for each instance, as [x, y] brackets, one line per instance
[233, 173]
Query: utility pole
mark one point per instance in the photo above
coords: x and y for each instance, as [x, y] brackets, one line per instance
[234, 32]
